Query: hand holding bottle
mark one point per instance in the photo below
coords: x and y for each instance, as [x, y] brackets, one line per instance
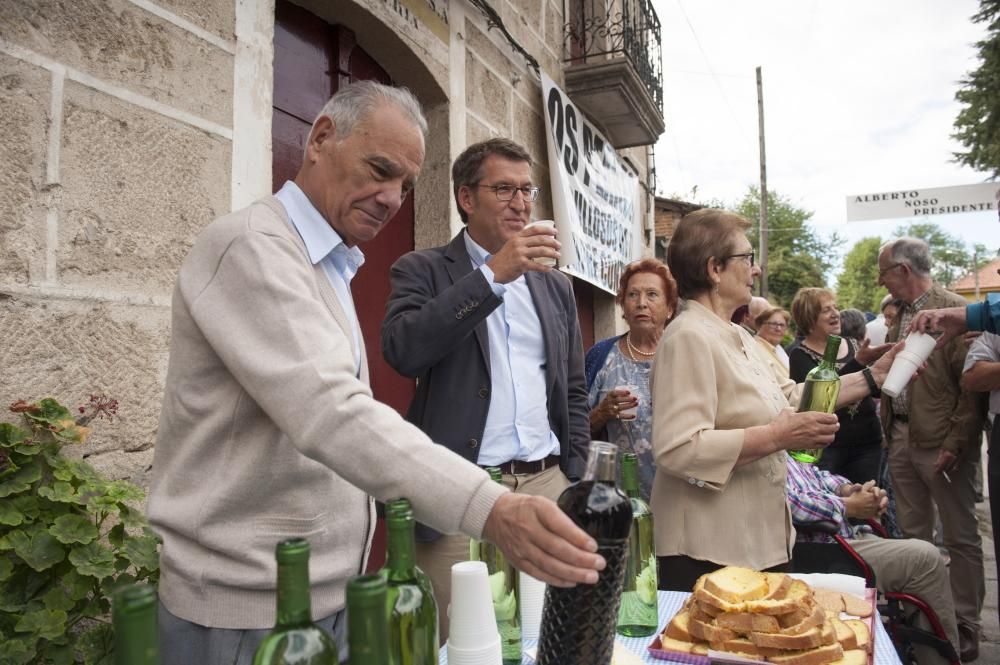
[541, 540]
[806, 429]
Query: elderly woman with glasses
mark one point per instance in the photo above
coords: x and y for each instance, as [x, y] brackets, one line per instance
[772, 324]
[857, 449]
[617, 368]
[721, 417]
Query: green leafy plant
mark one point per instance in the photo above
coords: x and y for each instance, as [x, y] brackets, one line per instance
[68, 538]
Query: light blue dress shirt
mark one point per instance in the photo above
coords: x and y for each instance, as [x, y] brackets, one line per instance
[340, 263]
[517, 425]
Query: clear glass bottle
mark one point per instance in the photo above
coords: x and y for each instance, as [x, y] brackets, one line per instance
[578, 623]
[822, 387]
[503, 585]
[637, 616]
[367, 621]
[411, 608]
[295, 639]
[133, 615]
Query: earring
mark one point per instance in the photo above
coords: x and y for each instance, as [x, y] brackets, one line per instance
[716, 290]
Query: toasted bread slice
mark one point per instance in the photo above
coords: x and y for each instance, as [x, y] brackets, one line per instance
[743, 646]
[845, 635]
[709, 632]
[811, 619]
[862, 633]
[811, 638]
[668, 643]
[819, 656]
[735, 584]
[852, 657]
[707, 599]
[798, 614]
[830, 600]
[778, 585]
[679, 629]
[745, 622]
[856, 606]
[799, 595]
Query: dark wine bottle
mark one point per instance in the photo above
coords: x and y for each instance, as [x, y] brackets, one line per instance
[367, 621]
[820, 392]
[578, 623]
[295, 640]
[412, 610]
[637, 616]
[503, 585]
[133, 615]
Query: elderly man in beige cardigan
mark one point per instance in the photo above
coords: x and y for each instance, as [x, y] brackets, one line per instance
[269, 429]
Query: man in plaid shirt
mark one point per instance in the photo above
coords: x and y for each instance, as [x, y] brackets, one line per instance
[906, 565]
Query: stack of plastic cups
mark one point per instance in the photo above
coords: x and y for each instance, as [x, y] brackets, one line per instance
[472, 629]
[906, 363]
[531, 597]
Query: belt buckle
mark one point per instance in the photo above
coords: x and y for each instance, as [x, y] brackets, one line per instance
[513, 469]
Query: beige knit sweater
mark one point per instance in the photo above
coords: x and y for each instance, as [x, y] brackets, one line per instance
[267, 433]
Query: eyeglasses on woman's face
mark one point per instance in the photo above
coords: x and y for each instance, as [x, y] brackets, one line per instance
[749, 256]
[776, 325]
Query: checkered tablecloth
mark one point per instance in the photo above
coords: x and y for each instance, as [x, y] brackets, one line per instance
[669, 603]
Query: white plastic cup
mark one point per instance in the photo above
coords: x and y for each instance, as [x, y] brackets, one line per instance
[544, 260]
[906, 363]
[531, 598]
[487, 654]
[629, 414]
[472, 624]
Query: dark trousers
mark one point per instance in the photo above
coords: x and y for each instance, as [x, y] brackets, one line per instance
[679, 573]
[858, 463]
[993, 482]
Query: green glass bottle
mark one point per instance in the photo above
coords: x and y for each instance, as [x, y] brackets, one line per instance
[822, 387]
[503, 585]
[295, 640]
[411, 608]
[423, 579]
[637, 614]
[367, 622]
[133, 615]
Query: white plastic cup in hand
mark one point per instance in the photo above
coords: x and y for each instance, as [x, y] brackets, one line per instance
[906, 363]
[472, 629]
[531, 597]
[630, 413]
[544, 260]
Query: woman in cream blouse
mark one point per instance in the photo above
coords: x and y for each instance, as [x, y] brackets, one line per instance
[772, 324]
[721, 419]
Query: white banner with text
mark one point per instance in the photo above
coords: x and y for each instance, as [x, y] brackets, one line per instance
[595, 195]
[927, 201]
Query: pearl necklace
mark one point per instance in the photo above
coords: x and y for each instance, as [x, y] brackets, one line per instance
[633, 351]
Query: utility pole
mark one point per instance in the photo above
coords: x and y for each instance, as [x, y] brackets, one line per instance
[763, 188]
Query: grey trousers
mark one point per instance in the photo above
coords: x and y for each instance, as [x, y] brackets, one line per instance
[186, 643]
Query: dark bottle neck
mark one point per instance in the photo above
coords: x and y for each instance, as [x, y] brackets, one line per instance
[367, 632]
[830, 353]
[133, 615]
[602, 463]
[630, 475]
[294, 608]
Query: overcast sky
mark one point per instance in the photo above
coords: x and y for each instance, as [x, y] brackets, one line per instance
[858, 98]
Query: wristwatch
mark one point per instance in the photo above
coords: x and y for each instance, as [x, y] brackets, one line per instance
[870, 380]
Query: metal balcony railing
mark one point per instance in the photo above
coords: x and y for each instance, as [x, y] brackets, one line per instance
[597, 29]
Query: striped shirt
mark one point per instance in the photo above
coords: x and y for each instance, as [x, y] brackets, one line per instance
[812, 497]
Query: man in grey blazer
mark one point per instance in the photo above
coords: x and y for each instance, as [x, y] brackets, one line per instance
[269, 429]
[491, 335]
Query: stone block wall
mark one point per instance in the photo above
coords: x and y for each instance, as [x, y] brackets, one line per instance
[116, 139]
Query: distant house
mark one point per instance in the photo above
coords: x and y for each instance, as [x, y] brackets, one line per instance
[668, 213]
[989, 282]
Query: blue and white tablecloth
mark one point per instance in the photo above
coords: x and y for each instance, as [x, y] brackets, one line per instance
[670, 602]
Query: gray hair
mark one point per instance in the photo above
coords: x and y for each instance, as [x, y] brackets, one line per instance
[356, 101]
[852, 324]
[885, 302]
[914, 252]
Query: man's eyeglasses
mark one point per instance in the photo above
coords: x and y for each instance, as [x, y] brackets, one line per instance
[507, 192]
[882, 272]
[745, 255]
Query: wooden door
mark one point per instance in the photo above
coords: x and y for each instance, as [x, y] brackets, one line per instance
[312, 59]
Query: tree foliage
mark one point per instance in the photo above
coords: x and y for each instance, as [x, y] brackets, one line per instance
[797, 255]
[857, 285]
[977, 126]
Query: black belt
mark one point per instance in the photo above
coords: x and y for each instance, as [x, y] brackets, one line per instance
[901, 417]
[517, 467]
